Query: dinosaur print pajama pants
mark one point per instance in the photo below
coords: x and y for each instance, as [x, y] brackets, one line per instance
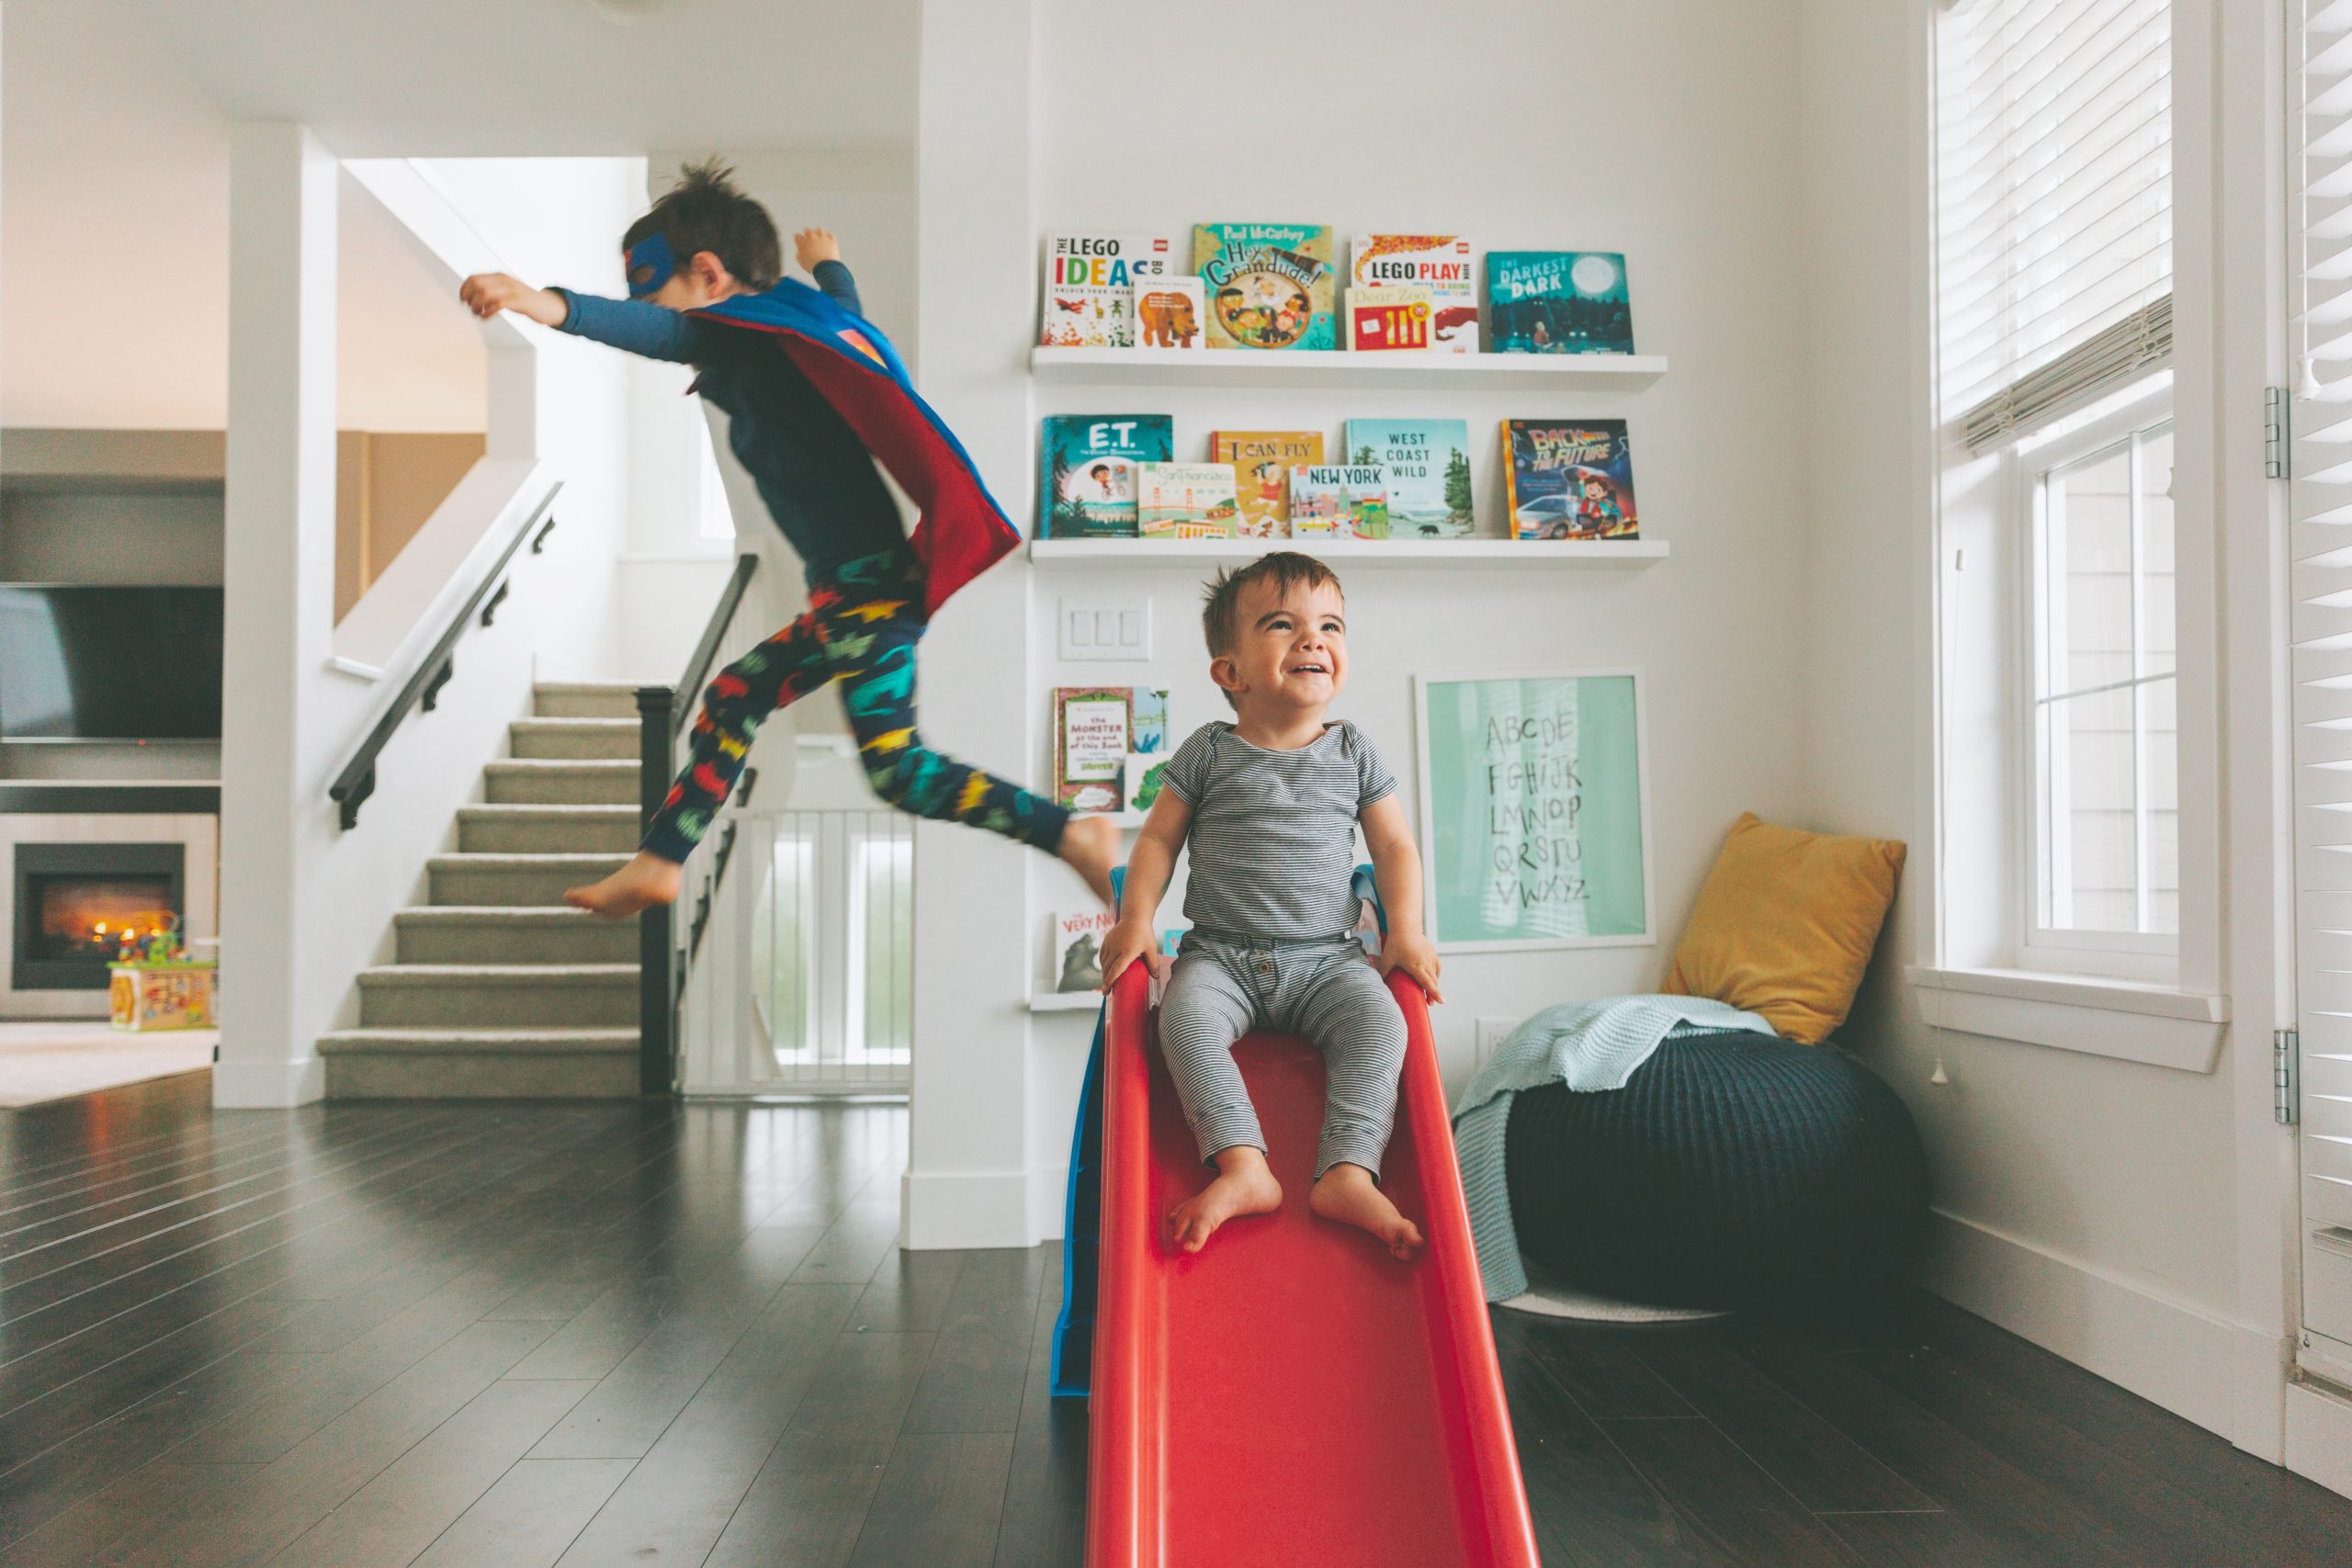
[861, 629]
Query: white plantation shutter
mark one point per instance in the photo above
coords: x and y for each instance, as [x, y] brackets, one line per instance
[2319, 254]
[2053, 150]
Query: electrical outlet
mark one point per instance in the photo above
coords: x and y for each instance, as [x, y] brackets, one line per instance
[1492, 1032]
[1114, 626]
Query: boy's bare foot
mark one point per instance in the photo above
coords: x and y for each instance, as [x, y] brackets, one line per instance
[1090, 845]
[1243, 1185]
[645, 881]
[1348, 1193]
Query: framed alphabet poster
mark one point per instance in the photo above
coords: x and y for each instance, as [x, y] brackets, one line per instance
[1534, 810]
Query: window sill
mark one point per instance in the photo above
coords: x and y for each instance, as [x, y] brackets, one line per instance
[2155, 1025]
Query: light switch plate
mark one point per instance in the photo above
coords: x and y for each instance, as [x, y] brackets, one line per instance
[1492, 1032]
[1111, 626]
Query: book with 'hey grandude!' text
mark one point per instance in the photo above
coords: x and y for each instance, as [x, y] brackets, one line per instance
[1268, 285]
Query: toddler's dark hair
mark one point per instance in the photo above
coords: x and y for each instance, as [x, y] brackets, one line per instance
[705, 211]
[1284, 569]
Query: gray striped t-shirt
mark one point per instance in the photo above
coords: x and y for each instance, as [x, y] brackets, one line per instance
[1274, 833]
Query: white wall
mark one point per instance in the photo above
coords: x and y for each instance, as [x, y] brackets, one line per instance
[2090, 1203]
[1684, 157]
[309, 905]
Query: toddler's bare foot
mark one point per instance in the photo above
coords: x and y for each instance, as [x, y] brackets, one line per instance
[645, 881]
[1243, 1185]
[1090, 845]
[1348, 1193]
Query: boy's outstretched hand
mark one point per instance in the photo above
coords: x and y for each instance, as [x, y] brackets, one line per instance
[1124, 946]
[813, 245]
[487, 293]
[1415, 954]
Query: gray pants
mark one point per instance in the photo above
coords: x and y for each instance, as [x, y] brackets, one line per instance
[1324, 990]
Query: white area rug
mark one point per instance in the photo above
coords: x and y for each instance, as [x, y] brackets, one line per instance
[1548, 1298]
[45, 1061]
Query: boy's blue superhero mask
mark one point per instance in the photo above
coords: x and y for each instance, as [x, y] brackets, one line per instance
[650, 264]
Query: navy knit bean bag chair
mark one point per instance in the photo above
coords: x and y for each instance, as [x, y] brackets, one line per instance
[1732, 1170]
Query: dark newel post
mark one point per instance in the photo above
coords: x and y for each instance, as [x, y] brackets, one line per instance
[657, 1012]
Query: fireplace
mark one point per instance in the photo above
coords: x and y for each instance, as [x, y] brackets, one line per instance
[73, 901]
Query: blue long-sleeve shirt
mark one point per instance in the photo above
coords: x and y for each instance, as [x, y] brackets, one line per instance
[813, 473]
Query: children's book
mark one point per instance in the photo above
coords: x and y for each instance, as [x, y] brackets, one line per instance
[1148, 720]
[1089, 286]
[1388, 320]
[1078, 948]
[1261, 461]
[1269, 284]
[1442, 264]
[1090, 745]
[1569, 479]
[1086, 471]
[1428, 473]
[1185, 501]
[1338, 502]
[1558, 302]
[1168, 313]
[1140, 783]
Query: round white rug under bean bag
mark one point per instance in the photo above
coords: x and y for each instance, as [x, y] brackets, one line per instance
[1549, 1298]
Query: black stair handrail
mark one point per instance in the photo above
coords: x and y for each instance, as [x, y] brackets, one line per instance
[662, 712]
[423, 688]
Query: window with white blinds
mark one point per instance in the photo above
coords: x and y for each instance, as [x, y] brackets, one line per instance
[2319, 97]
[2053, 148]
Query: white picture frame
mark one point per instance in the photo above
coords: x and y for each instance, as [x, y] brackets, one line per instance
[1432, 877]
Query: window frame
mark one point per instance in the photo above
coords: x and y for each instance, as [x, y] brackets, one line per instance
[2127, 955]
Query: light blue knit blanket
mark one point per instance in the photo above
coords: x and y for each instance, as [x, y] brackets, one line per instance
[1588, 1046]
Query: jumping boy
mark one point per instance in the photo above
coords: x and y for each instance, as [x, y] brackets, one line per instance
[784, 362]
[1271, 803]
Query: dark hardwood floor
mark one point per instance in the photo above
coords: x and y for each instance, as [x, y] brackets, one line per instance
[517, 1335]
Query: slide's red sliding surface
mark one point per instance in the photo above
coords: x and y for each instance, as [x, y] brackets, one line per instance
[1290, 1396]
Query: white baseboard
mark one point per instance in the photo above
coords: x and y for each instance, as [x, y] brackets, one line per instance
[267, 1086]
[2319, 1437]
[2217, 1373]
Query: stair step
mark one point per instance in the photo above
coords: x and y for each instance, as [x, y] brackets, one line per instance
[480, 1063]
[566, 781]
[484, 933]
[513, 880]
[506, 996]
[586, 699]
[612, 738]
[547, 829]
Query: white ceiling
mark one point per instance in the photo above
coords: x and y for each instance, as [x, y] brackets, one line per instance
[497, 78]
[114, 215]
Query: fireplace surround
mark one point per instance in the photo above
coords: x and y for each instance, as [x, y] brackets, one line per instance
[182, 843]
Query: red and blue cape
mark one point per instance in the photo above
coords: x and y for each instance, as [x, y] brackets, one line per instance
[962, 532]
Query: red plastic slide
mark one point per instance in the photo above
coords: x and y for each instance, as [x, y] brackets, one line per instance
[1290, 1396]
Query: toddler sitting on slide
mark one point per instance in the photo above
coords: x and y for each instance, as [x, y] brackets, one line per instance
[1271, 803]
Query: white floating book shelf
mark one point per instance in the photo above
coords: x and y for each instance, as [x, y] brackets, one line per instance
[1065, 1001]
[1515, 555]
[1332, 368]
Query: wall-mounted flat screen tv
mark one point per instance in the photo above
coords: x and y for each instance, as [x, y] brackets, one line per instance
[89, 663]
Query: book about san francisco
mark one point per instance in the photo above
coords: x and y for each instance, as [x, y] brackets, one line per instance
[1185, 501]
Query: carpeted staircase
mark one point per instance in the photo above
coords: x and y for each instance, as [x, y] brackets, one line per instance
[498, 990]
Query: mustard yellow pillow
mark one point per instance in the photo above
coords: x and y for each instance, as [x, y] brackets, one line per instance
[1785, 923]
